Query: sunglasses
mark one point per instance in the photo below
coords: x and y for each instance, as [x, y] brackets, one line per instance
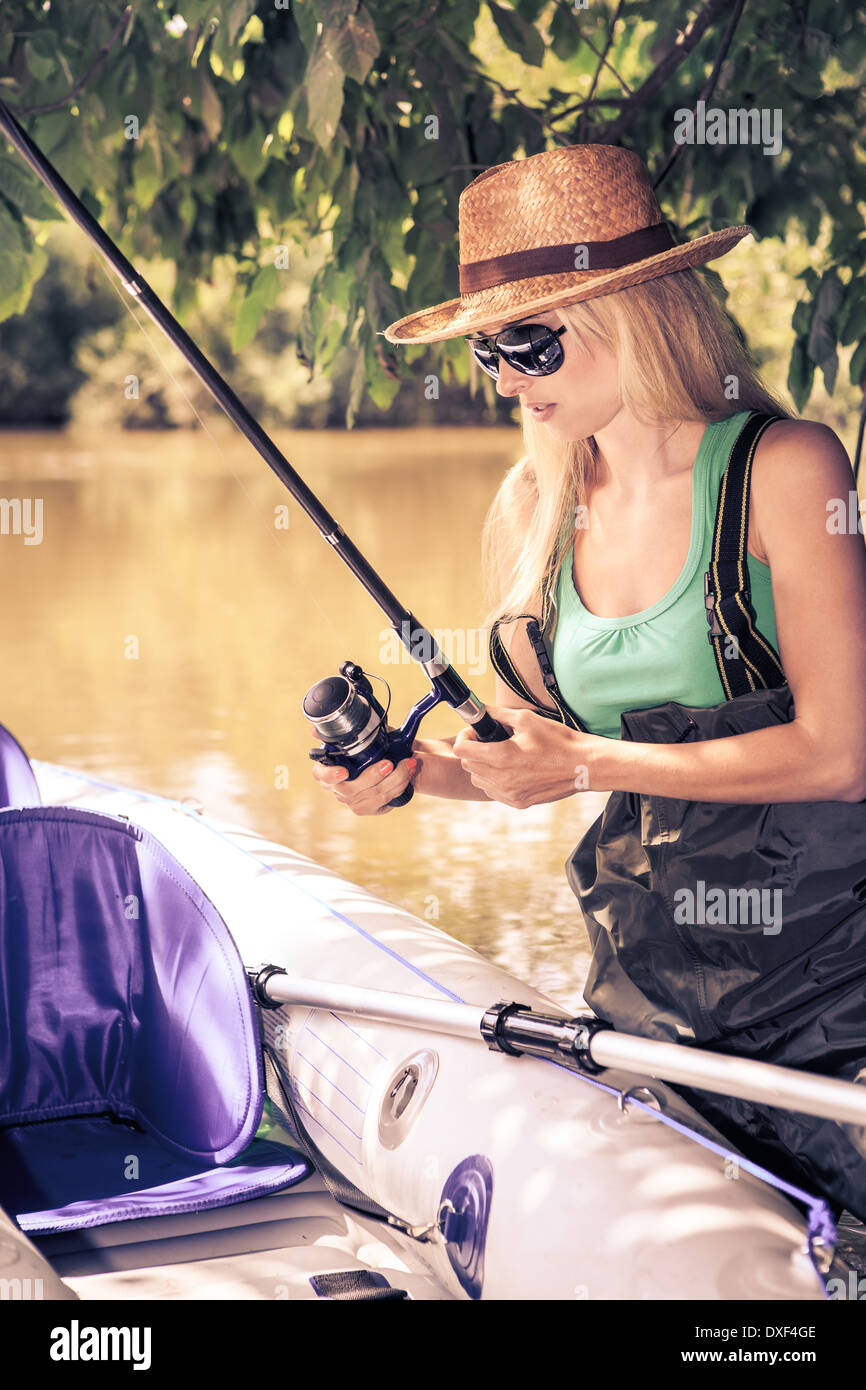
[530, 348]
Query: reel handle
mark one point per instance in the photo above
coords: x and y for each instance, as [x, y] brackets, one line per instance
[319, 755]
[489, 730]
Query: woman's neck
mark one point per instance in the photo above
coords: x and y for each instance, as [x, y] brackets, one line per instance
[634, 456]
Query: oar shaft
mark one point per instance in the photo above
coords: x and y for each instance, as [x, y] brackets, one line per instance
[762, 1082]
[440, 1015]
[767, 1084]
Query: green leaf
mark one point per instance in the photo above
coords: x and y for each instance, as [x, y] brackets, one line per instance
[324, 85]
[41, 65]
[806, 84]
[801, 372]
[821, 343]
[801, 321]
[238, 12]
[259, 298]
[830, 295]
[266, 286]
[564, 33]
[14, 269]
[147, 174]
[530, 9]
[247, 152]
[852, 322]
[261, 295]
[307, 19]
[857, 370]
[518, 35]
[24, 190]
[829, 368]
[210, 107]
[355, 45]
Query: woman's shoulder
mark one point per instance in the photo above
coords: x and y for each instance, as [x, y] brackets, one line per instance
[794, 451]
[800, 468]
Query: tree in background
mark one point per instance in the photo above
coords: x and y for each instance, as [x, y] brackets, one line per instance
[233, 133]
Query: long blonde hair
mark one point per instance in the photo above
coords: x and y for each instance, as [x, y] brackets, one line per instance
[677, 351]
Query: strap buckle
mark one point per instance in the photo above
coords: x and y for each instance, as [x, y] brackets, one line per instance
[537, 643]
[710, 606]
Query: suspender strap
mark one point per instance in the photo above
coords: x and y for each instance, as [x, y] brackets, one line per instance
[745, 659]
[503, 664]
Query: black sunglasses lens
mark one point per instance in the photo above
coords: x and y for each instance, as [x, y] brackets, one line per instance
[531, 348]
[485, 355]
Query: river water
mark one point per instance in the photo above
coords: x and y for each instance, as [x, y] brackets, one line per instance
[162, 630]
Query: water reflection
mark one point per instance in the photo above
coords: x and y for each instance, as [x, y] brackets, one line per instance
[165, 630]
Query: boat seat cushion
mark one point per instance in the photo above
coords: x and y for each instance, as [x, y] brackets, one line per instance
[18, 785]
[128, 1021]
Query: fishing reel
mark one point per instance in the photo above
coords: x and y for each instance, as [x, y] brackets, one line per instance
[353, 725]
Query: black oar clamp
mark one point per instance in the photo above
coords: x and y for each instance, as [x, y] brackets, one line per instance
[258, 976]
[493, 1023]
[585, 1029]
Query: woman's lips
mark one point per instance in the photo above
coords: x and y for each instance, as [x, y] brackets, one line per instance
[541, 412]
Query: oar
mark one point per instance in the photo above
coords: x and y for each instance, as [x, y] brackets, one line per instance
[583, 1043]
[447, 683]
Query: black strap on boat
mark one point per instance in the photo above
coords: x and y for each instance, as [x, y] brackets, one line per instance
[746, 660]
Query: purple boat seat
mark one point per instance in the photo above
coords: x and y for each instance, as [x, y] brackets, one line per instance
[130, 1065]
[17, 783]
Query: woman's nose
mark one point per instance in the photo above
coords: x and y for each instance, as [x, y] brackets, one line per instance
[510, 382]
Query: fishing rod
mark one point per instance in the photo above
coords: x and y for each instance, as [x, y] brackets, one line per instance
[584, 1044]
[345, 714]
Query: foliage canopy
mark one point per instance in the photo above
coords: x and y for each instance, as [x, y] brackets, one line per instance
[209, 130]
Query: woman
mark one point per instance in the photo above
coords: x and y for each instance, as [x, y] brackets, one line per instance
[635, 391]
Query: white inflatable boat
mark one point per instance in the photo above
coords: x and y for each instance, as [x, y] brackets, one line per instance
[556, 1186]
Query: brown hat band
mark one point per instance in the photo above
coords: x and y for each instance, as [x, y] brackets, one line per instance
[552, 260]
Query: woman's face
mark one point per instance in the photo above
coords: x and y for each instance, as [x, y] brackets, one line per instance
[578, 399]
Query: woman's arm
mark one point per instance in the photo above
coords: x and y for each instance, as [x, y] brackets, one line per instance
[440, 773]
[819, 593]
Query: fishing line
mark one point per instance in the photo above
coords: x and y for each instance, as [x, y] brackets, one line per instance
[350, 722]
[216, 444]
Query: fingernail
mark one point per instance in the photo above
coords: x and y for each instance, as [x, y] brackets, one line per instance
[342, 775]
[413, 763]
[386, 767]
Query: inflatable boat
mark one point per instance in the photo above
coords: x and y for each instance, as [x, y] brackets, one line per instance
[165, 1134]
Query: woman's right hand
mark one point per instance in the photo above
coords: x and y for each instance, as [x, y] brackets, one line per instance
[368, 794]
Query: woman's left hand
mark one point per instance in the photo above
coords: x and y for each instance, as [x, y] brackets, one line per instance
[542, 761]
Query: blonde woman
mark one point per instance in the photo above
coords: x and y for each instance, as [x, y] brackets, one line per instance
[614, 549]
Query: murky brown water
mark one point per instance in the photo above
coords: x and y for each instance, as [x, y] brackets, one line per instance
[165, 545]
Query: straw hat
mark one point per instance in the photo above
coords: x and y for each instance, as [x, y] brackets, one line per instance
[525, 226]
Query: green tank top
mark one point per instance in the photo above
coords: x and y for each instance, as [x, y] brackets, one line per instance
[606, 666]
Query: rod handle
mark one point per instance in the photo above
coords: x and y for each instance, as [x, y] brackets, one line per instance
[489, 730]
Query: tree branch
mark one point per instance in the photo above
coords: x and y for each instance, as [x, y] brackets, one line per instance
[709, 85]
[579, 106]
[88, 76]
[592, 48]
[530, 110]
[601, 62]
[686, 40]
